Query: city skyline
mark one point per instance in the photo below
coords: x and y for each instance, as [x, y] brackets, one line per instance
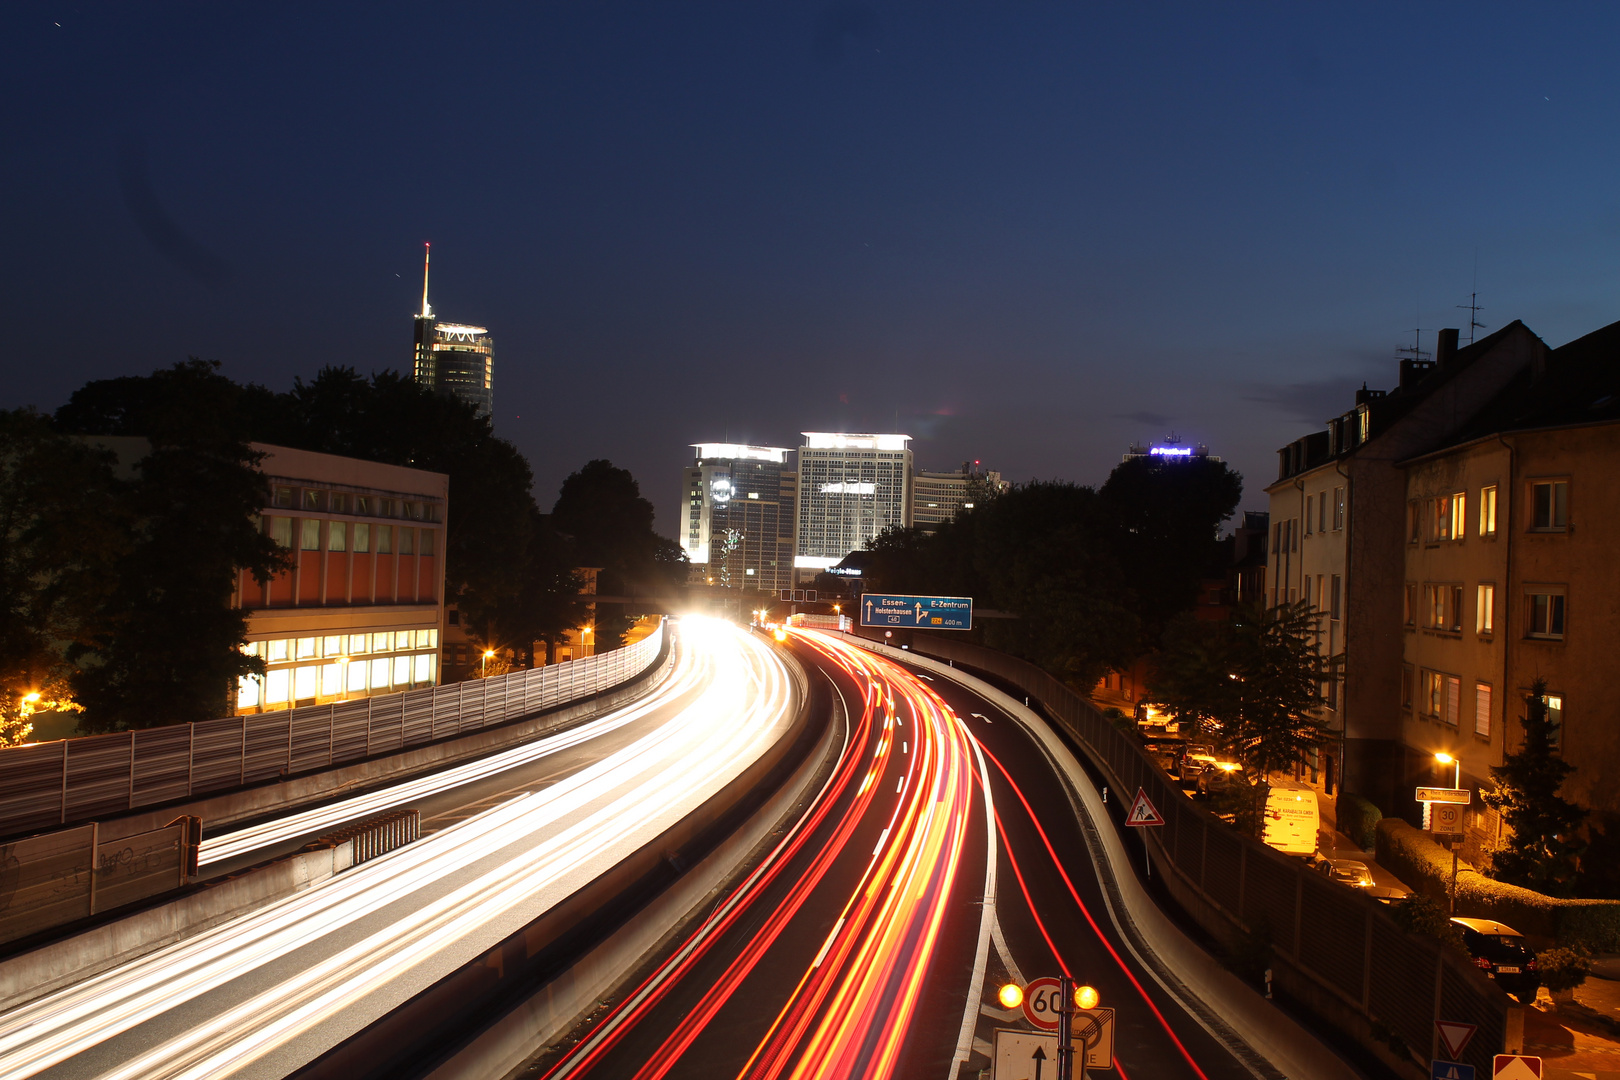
[823, 211]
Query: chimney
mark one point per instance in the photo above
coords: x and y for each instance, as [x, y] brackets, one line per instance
[1445, 351]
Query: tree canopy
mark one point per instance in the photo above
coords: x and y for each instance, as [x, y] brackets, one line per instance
[1543, 849]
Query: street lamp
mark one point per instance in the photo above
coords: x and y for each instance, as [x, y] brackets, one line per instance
[1456, 782]
[583, 631]
[485, 667]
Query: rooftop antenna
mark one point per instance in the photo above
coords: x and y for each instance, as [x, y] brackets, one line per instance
[427, 251]
[1415, 350]
[1472, 307]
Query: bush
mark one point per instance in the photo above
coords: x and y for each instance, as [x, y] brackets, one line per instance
[1562, 969]
[1426, 916]
[1425, 866]
[1358, 819]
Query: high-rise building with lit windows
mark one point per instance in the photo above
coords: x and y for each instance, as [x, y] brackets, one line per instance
[937, 497]
[454, 358]
[739, 507]
[851, 487]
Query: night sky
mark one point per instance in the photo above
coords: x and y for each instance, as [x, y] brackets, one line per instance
[1028, 233]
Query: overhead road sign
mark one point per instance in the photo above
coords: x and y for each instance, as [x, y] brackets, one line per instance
[1143, 812]
[1516, 1067]
[1461, 795]
[917, 612]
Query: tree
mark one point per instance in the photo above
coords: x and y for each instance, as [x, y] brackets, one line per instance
[1250, 683]
[1167, 516]
[610, 526]
[62, 529]
[1542, 851]
[164, 647]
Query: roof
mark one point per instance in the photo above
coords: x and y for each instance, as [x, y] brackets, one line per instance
[1486, 926]
[1580, 384]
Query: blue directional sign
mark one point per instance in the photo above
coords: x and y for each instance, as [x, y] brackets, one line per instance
[1449, 1070]
[917, 612]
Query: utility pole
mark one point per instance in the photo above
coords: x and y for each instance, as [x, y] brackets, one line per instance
[1065, 1062]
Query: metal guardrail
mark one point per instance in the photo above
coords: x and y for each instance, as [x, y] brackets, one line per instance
[373, 836]
[1336, 939]
[70, 780]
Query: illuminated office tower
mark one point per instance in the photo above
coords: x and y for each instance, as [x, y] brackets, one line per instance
[851, 487]
[937, 497]
[453, 358]
[738, 530]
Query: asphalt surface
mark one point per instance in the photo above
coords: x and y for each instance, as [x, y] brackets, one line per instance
[697, 1018]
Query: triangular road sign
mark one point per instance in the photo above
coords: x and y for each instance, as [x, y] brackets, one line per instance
[1142, 812]
[1516, 1067]
[1454, 1037]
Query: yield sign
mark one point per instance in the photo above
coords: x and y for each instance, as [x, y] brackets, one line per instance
[1143, 812]
[1516, 1067]
[1454, 1036]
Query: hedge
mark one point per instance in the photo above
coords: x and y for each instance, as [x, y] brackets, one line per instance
[1358, 819]
[1425, 866]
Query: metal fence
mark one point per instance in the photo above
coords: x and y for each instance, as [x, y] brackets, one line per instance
[373, 836]
[71, 780]
[56, 878]
[1343, 944]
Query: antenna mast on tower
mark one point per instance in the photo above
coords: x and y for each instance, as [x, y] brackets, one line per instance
[1473, 309]
[427, 251]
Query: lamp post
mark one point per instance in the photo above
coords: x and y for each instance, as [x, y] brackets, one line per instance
[484, 667]
[1456, 782]
[584, 635]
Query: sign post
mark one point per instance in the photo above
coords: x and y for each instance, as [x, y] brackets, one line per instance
[917, 612]
[1143, 814]
[1443, 816]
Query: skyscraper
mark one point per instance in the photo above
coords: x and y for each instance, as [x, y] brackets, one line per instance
[937, 497]
[738, 531]
[453, 358]
[851, 487]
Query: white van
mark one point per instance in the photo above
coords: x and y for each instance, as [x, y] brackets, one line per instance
[1292, 818]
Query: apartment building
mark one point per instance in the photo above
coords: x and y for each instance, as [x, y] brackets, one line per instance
[1510, 575]
[1338, 519]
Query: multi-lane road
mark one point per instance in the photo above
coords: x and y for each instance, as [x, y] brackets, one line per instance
[941, 858]
[939, 855]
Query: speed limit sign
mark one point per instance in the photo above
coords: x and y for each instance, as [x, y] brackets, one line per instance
[1043, 1000]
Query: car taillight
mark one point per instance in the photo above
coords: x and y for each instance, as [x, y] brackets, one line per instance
[1482, 963]
[1530, 964]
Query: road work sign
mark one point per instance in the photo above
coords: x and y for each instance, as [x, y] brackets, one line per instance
[1143, 812]
[917, 612]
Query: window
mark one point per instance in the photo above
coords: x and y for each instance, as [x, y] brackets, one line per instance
[1406, 686]
[314, 500]
[1322, 512]
[283, 497]
[1482, 709]
[311, 539]
[1555, 717]
[1364, 424]
[1434, 690]
[1455, 610]
[1414, 521]
[1459, 516]
[1487, 511]
[362, 536]
[427, 540]
[385, 539]
[1410, 614]
[1320, 593]
[1546, 614]
[1485, 610]
[1440, 518]
[1338, 508]
[362, 504]
[337, 536]
[281, 531]
[1442, 607]
[1310, 514]
[1549, 506]
[407, 541]
[1453, 699]
[1333, 598]
[339, 503]
[306, 649]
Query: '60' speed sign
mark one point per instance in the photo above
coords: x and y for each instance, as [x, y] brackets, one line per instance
[1043, 1000]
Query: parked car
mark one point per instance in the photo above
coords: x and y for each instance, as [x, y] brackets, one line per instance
[1191, 761]
[1500, 952]
[1346, 872]
[1386, 894]
[1217, 777]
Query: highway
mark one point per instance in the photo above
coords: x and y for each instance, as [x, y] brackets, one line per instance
[262, 994]
[941, 858]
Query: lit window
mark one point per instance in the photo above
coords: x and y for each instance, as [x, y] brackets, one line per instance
[1549, 505]
[311, 535]
[359, 644]
[276, 650]
[356, 678]
[281, 531]
[306, 649]
[1555, 717]
[247, 692]
[1482, 709]
[337, 536]
[379, 674]
[275, 686]
[1487, 511]
[1485, 609]
[332, 646]
[1453, 699]
[1546, 614]
[1459, 516]
[331, 679]
[304, 682]
[382, 642]
[362, 536]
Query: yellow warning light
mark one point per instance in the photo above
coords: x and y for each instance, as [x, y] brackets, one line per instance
[1011, 996]
[1086, 997]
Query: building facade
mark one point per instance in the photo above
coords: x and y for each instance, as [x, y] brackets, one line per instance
[454, 358]
[851, 487]
[937, 497]
[362, 609]
[1338, 514]
[740, 516]
[1510, 577]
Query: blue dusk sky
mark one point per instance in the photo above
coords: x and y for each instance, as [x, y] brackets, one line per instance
[1027, 233]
